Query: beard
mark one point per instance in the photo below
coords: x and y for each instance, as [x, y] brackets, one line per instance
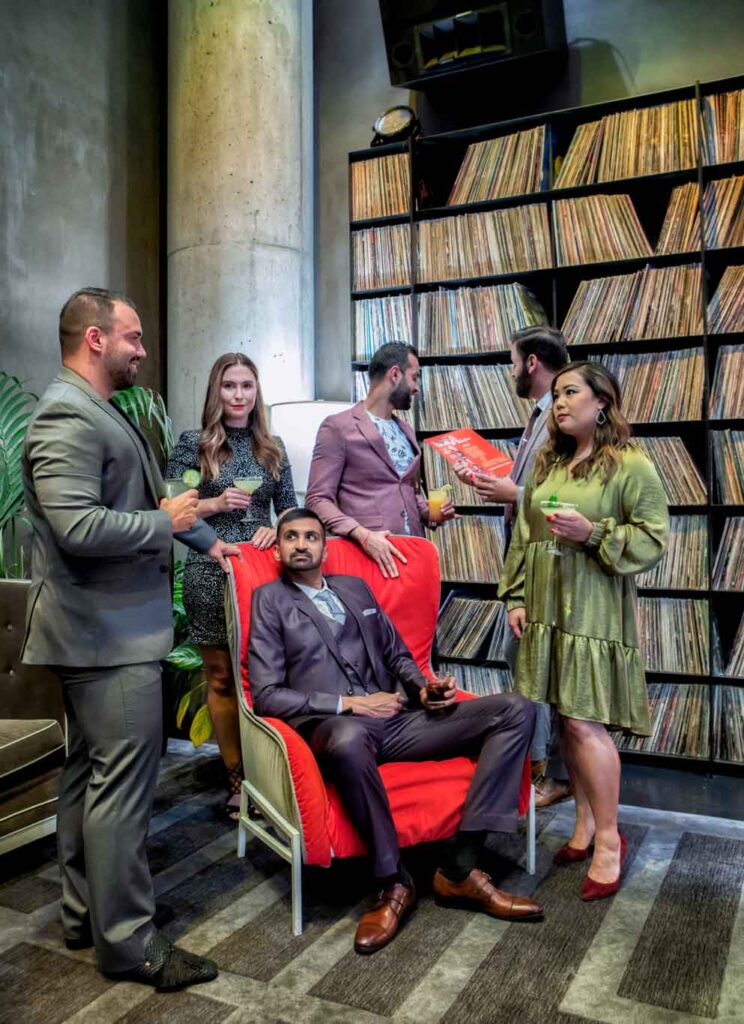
[522, 384]
[306, 564]
[400, 396]
[122, 373]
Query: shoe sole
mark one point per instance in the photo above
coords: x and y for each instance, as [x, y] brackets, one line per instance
[186, 984]
[466, 904]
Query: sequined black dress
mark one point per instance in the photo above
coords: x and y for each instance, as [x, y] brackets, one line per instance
[204, 580]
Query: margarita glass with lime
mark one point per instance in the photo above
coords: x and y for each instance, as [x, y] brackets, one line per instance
[549, 508]
[177, 485]
[248, 484]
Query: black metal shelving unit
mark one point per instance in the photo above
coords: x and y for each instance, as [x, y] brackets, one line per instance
[436, 160]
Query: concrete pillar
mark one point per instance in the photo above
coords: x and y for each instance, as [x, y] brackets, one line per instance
[240, 216]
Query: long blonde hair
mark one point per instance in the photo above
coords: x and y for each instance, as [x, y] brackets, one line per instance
[611, 437]
[214, 448]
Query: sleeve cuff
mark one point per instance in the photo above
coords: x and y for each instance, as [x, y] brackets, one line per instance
[514, 602]
[597, 535]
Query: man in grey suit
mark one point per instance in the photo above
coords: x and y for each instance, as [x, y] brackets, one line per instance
[324, 656]
[537, 354]
[99, 613]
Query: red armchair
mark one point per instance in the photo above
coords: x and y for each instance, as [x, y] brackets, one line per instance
[282, 777]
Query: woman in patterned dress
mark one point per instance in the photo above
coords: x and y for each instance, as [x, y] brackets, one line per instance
[234, 443]
[575, 615]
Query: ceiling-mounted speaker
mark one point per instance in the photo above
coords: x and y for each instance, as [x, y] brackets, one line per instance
[432, 41]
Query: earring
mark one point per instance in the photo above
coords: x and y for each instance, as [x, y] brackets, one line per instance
[601, 417]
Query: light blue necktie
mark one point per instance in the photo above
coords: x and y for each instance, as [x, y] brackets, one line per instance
[330, 606]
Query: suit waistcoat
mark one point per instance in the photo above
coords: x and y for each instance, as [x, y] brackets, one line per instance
[354, 657]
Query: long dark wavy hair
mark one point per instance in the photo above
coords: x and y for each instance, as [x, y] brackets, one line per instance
[611, 438]
[214, 448]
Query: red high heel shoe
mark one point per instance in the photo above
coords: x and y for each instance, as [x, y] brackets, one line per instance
[571, 854]
[591, 890]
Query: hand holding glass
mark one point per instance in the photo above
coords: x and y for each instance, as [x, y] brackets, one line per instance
[438, 496]
[249, 485]
[549, 508]
[175, 485]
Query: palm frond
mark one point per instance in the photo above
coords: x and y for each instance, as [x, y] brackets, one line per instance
[16, 407]
[147, 408]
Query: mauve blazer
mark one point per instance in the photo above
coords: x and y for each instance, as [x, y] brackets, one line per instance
[354, 483]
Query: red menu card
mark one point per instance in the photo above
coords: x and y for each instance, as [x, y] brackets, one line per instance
[467, 446]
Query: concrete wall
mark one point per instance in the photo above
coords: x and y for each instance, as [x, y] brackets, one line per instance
[616, 48]
[79, 169]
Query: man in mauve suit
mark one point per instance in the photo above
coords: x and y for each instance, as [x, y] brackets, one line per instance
[537, 354]
[99, 614]
[325, 657]
[365, 473]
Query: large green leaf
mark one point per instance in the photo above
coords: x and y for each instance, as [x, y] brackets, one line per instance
[147, 408]
[201, 727]
[16, 408]
[183, 707]
[185, 657]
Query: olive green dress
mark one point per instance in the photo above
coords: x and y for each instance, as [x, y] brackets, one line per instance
[579, 649]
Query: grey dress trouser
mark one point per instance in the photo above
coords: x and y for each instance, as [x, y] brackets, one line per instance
[105, 801]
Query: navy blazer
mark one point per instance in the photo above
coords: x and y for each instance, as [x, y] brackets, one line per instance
[294, 665]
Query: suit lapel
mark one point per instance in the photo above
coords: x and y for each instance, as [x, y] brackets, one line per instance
[411, 435]
[136, 437]
[372, 435]
[307, 607]
[535, 440]
[152, 470]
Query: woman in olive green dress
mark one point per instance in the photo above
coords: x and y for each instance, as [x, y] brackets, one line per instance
[568, 583]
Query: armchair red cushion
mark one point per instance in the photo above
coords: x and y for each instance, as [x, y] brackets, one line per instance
[426, 797]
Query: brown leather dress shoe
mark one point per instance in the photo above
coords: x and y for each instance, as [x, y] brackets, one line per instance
[551, 791]
[380, 924]
[476, 892]
[538, 770]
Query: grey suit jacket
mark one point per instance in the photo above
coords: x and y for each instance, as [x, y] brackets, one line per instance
[101, 547]
[353, 481]
[295, 668]
[528, 450]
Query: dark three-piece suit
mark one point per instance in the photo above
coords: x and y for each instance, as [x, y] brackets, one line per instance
[301, 663]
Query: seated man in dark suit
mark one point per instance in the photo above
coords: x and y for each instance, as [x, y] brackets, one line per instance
[325, 657]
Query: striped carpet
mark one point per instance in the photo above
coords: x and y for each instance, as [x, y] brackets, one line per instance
[668, 949]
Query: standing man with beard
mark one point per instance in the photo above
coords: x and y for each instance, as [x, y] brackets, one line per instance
[365, 474]
[537, 354]
[99, 614]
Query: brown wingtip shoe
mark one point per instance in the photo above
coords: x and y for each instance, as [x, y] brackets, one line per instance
[477, 893]
[380, 924]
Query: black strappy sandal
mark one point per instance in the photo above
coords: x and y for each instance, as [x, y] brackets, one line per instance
[234, 786]
[232, 807]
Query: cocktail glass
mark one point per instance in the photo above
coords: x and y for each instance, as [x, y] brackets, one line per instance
[549, 508]
[174, 486]
[249, 484]
[437, 497]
